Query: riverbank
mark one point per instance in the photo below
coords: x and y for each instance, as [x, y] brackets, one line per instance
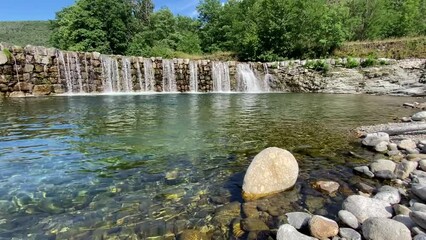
[38, 71]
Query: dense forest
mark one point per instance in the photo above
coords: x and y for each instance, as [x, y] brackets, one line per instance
[263, 30]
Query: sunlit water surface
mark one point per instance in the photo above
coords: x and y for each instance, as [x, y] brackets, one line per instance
[152, 165]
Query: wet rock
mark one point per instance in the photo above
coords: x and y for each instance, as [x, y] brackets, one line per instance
[327, 186]
[322, 227]
[401, 210]
[407, 144]
[250, 210]
[372, 139]
[253, 224]
[382, 228]
[349, 234]
[365, 171]
[363, 207]
[348, 218]
[388, 194]
[365, 188]
[298, 220]
[416, 157]
[288, 232]
[406, 220]
[382, 165]
[420, 116]
[42, 90]
[422, 164]
[23, 86]
[192, 235]
[224, 215]
[17, 94]
[419, 218]
[419, 191]
[382, 147]
[404, 169]
[406, 119]
[273, 170]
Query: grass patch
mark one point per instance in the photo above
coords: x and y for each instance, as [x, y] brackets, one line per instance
[352, 63]
[400, 48]
[318, 65]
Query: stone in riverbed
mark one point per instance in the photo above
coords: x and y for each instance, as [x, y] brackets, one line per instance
[406, 220]
[327, 186]
[388, 194]
[348, 218]
[192, 235]
[404, 169]
[298, 220]
[420, 116]
[322, 227]
[382, 147]
[273, 170]
[392, 147]
[422, 164]
[42, 90]
[365, 188]
[419, 207]
[419, 218]
[349, 234]
[420, 237]
[372, 139]
[401, 210]
[3, 58]
[382, 228]
[364, 170]
[385, 174]
[407, 144]
[382, 165]
[253, 224]
[288, 232]
[419, 191]
[363, 207]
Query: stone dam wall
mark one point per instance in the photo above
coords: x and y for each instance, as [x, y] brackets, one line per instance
[39, 71]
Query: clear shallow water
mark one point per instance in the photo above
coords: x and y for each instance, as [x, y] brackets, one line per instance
[152, 165]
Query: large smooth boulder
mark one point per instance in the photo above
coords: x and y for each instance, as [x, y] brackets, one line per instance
[288, 232]
[3, 58]
[388, 194]
[385, 229]
[363, 207]
[420, 116]
[419, 218]
[419, 190]
[322, 227]
[372, 139]
[273, 170]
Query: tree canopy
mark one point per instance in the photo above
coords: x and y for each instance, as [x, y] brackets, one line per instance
[254, 29]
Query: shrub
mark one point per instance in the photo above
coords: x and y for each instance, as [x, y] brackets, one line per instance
[369, 62]
[318, 65]
[352, 63]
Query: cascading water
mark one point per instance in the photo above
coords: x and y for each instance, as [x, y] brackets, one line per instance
[169, 76]
[246, 79]
[193, 78]
[267, 78]
[221, 78]
[67, 74]
[78, 70]
[107, 73]
[138, 70]
[127, 75]
[149, 75]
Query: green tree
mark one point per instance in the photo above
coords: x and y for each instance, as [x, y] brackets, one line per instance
[94, 25]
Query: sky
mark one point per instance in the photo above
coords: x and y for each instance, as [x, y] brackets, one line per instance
[19, 10]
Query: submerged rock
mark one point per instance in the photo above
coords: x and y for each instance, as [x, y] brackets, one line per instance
[327, 186]
[364, 170]
[298, 220]
[273, 170]
[420, 116]
[192, 235]
[382, 228]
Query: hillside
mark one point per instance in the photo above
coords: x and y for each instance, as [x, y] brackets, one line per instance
[23, 33]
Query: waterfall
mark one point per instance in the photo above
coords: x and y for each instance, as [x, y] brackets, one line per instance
[246, 79]
[66, 72]
[169, 77]
[149, 75]
[220, 75]
[107, 73]
[267, 78]
[77, 67]
[138, 70]
[67, 66]
[127, 75]
[16, 71]
[86, 68]
[193, 69]
[116, 76]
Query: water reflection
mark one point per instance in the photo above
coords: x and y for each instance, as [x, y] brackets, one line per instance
[87, 166]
